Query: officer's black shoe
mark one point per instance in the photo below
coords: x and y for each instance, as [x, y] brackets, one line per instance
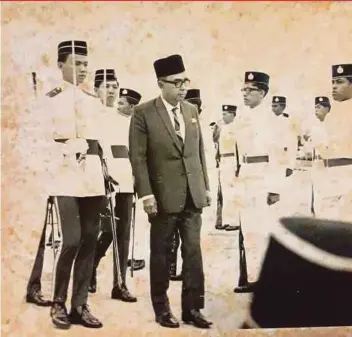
[167, 320]
[196, 317]
[83, 316]
[93, 282]
[122, 294]
[176, 277]
[59, 316]
[232, 228]
[247, 288]
[137, 264]
[220, 227]
[36, 297]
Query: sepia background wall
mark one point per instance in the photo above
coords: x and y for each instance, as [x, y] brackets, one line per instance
[295, 43]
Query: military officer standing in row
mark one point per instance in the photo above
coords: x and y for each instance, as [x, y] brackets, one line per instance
[78, 186]
[192, 96]
[254, 187]
[332, 174]
[322, 107]
[224, 139]
[115, 144]
[128, 99]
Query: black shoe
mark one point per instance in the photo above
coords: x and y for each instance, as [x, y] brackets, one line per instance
[167, 320]
[137, 264]
[36, 297]
[122, 294]
[232, 228]
[196, 317]
[176, 277]
[247, 288]
[221, 227]
[93, 282]
[59, 316]
[85, 318]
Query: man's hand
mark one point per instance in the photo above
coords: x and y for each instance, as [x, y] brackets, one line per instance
[208, 196]
[150, 206]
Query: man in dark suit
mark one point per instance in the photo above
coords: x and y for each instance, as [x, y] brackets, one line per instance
[168, 161]
[192, 96]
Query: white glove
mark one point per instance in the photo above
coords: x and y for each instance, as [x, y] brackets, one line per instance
[73, 146]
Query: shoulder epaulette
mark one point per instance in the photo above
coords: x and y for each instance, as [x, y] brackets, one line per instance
[54, 92]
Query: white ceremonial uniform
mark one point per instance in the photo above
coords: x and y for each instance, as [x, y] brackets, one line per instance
[114, 139]
[333, 176]
[228, 167]
[282, 157]
[255, 140]
[302, 201]
[72, 115]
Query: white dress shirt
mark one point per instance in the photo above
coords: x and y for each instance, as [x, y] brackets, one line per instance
[179, 115]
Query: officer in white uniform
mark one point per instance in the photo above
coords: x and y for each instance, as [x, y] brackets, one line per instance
[314, 133]
[283, 155]
[77, 184]
[115, 128]
[332, 175]
[256, 185]
[225, 142]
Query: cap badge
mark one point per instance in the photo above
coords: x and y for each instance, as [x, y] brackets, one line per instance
[340, 70]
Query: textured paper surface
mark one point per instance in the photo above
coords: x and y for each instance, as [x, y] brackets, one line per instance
[296, 43]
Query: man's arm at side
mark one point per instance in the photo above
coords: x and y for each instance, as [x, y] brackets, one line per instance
[138, 154]
[202, 155]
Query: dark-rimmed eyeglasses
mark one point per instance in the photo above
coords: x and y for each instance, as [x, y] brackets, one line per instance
[249, 90]
[178, 83]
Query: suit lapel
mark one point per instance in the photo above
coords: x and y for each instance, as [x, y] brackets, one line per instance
[166, 120]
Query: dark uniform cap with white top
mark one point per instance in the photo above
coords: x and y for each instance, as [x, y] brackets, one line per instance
[279, 100]
[169, 66]
[134, 95]
[104, 75]
[256, 77]
[306, 276]
[342, 70]
[72, 47]
[229, 108]
[322, 100]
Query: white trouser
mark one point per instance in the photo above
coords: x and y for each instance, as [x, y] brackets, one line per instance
[250, 195]
[227, 174]
[333, 192]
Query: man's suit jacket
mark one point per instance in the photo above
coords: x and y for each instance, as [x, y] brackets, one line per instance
[161, 164]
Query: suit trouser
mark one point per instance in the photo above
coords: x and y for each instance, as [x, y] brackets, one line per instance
[163, 226]
[123, 210]
[173, 253]
[79, 225]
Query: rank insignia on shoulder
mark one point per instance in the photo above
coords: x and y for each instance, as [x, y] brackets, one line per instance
[54, 92]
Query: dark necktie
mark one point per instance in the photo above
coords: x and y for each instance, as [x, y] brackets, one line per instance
[177, 124]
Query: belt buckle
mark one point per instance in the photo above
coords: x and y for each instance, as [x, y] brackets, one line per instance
[244, 159]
